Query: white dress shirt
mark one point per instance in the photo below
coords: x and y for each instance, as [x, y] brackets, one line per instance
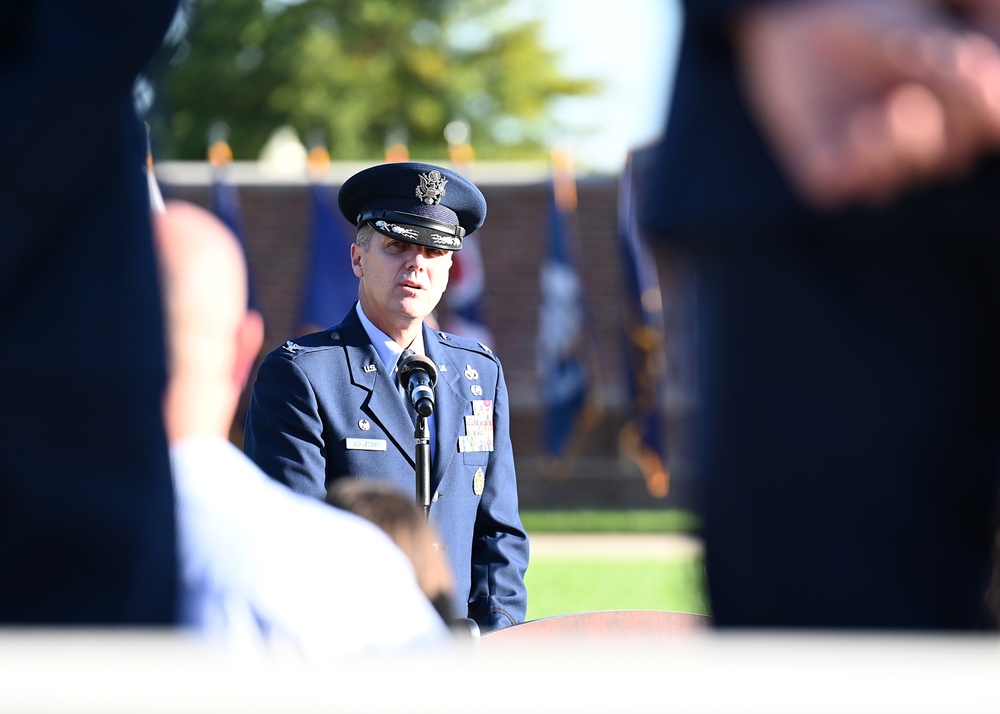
[389, 352]
[264, 566]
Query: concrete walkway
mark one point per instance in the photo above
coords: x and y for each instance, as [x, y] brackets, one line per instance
[668, 546]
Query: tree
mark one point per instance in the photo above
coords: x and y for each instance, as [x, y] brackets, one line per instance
[360, 72]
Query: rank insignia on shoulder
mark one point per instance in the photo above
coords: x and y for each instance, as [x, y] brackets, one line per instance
[291, 347]
[488, 350]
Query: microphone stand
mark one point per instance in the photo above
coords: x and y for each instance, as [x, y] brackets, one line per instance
[422, 466]
[418, 375]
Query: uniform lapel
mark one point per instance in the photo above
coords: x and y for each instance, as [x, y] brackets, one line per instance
[449, 407]
[381, 400]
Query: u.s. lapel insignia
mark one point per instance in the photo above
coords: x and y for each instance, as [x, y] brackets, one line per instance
[471, 373]
[479, 482]
[477, 390]
[364, 425]
[369, 368]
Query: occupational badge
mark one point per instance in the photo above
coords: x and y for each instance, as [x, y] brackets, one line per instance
[479, 482]
[471, 373]
[364, 425]
[477, 390]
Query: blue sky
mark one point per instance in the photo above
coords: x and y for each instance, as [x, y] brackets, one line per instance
[630, 45]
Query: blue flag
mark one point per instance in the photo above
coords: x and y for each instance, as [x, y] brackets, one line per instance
[642, 437]
[331, 287]
[226, 205]
[562, 376]
[462, 310]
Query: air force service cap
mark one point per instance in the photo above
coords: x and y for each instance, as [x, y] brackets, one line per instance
[417, 203]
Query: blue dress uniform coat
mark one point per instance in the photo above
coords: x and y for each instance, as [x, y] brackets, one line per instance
[325, 407]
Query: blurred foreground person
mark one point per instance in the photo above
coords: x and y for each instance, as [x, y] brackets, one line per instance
[259, 563]
[830, 167]
[399, 516]
[86, 504]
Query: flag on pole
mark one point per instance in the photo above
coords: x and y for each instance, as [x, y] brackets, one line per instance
[331, 286]
[561, 328]
[396, 149]
[642, 437]
[226, 204]
[462, 311]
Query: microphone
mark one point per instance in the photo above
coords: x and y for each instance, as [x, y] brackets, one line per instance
[418, 375]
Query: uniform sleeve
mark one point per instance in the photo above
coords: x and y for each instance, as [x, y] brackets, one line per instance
[284, 433]
[498, 597]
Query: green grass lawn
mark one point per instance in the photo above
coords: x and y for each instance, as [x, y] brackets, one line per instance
[559, 586]
[567, 584]
[668, 520]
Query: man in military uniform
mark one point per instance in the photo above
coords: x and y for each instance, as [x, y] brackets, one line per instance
[328, 406]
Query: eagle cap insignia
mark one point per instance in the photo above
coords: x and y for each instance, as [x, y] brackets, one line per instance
[431, 188]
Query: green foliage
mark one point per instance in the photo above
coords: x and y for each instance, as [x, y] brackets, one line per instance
[359, 72]
[559, 586]
[670, 520]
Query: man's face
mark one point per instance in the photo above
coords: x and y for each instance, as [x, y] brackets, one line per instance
[400, 281]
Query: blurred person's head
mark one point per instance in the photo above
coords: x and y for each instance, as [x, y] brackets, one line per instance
[406, 525]
[212, 338]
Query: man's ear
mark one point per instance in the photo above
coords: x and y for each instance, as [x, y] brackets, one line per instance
[249, 340]
[356, 253]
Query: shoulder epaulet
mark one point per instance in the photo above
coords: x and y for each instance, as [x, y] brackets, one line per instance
[464, 343]
[316, 341]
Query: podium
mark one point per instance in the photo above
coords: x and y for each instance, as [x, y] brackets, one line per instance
[653, 626]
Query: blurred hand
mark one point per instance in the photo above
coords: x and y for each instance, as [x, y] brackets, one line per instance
[861, 100]
[983, 15]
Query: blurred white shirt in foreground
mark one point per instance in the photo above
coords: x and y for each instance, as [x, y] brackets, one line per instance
[265, 568]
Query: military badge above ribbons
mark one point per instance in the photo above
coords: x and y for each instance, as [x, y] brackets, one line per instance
[478, 428]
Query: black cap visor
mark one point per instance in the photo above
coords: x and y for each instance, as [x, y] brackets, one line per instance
[414, 229]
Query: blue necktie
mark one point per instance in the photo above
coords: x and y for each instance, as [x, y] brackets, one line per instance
[402, 388]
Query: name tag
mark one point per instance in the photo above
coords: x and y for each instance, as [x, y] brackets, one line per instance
[366, 444]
